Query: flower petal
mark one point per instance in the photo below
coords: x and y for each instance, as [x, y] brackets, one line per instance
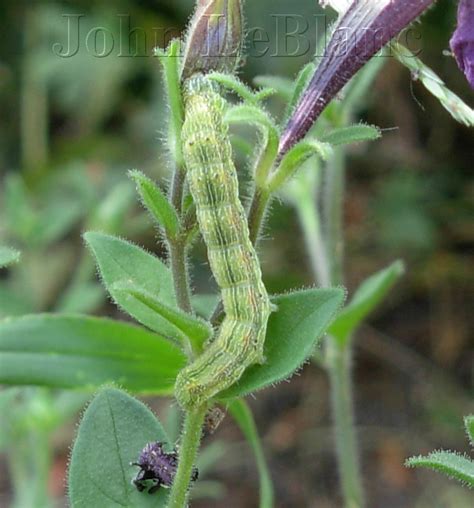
[462, 42]
[361, 31]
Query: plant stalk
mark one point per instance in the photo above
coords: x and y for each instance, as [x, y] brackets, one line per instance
[179, 269]
[311, 225]
[339, 368]
[177, 247]
[189, 446]
[338, 359]
[324, 244]
[257, 211]
[333, 214]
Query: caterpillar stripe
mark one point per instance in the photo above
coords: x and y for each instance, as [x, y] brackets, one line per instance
[222, 220]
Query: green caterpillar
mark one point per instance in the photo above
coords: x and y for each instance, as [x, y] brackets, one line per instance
[223, 223]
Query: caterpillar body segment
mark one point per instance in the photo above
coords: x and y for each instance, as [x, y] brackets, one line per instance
[222, 221]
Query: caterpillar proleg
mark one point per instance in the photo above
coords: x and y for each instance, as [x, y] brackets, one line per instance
[223, 223]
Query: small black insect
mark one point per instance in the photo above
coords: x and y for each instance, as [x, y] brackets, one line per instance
[158, 466]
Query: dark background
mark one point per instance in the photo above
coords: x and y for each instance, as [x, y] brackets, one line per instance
[81, 122]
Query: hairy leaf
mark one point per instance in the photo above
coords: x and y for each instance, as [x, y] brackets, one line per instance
[235, 85]
[299, 87]
[352, 134]
[453, 104]
[157, 204]
[254, 115]
[121, 262]
[364, 301]
[452, 464]
[295, 158]
[292, 334]
[85, 352]
[196, 329]
[8, 256]
[114, 430]
[469, 424]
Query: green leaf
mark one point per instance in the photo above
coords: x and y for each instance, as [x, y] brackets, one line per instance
[453, 104]
[242, 414]
[234, 84]
[114, 430]
[196, 329]
[292, 334]
[352, 134]
[267, 151]
[8, 256]
[86, 352]
[452, 464]
[364, 301]
[299, 87]
[157, 204]
[171, 62]
[122, 262]
[295, 158]
[469, 424]
[254, 115]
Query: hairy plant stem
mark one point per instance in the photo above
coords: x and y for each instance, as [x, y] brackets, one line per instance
[177, 252]
[338, 359]
[189, 446]
[325, 243]
[333, 214]
[338, 362]
[308, 215]
[257, 211]
[177, 247]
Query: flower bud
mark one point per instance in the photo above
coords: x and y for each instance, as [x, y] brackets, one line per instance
[462, 42]
[214, 39]
[362, 30]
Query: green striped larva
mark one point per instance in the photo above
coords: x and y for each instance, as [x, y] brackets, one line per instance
[223, 223]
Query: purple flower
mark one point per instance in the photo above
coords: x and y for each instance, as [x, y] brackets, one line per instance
[462, 42]
[363, 29]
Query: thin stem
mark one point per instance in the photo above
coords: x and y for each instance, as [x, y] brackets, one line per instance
[179, 269]
[257, 211]
[189, 446]
[177, 248]
[310, 222]
[333, 214]
[177, 187]
[326, 255]
[339, 360]
[339, 367]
